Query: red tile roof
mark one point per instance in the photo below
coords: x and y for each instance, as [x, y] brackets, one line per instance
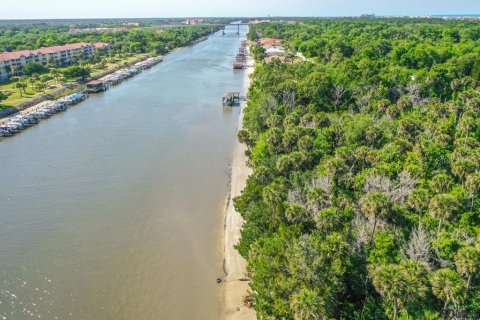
[101, 45]
[270, 42]
[70, 46]
[15, 55]
[94, 82]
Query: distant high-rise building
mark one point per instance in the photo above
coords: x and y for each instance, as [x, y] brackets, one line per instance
[194, 21]
[368, 15]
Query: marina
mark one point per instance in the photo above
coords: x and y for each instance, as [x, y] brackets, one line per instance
[33, 115]
[242, 56]
[106, 213]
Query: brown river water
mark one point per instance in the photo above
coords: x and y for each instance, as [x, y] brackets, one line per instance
[114, 209]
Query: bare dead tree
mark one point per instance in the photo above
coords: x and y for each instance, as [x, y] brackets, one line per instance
[338, 93]
[395, 93]
[363, 234]
[363, 226]
[398, 193]
[297, 210]
[413, 90]
[320, 195]
[323, 182]
[418, 247]
[378, 183]
[296, 196]
[288, 97]
[271, 104]
[406, 185]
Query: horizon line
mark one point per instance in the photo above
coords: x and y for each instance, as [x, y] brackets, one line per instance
[250, 17]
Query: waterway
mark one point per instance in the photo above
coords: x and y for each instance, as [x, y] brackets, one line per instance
[115, 208]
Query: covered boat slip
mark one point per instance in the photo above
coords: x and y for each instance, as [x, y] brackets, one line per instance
[95, 86]
[231, 99]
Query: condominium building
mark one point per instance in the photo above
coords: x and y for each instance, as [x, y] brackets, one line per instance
[193, 21]
[12, 63]
[99, 30]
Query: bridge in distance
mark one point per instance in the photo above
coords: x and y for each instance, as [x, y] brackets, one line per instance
[225, 25]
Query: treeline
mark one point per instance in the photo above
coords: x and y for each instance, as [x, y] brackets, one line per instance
[159, 41]
[364, 199]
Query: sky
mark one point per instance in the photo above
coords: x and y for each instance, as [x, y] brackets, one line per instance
[58, 9]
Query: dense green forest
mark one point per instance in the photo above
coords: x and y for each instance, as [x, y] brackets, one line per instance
[137, 40]
[364, 199]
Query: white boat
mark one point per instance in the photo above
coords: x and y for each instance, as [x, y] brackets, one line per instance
[31, 118]
[14, 127]
[6, 133]
[40, 114]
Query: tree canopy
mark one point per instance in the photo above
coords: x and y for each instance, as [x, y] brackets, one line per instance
[364, 199]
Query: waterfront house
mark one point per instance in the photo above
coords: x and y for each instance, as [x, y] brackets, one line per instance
[270, 42]
[274, 49]
[12, 63]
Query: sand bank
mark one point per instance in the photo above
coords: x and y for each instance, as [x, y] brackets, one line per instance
[235, 265]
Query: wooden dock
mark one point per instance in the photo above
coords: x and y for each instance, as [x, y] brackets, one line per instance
[232, 99]
[241, 59]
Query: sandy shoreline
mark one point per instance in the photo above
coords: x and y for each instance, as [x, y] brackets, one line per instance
[234, 264]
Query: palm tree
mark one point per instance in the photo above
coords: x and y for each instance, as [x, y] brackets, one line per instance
[418, 200]
[20, 85]
[376, 205]
[51, 63]
[307, 305]
[40, 85]
[34, 78]
[272, 196]
[15, 70]
[448, 286]
[45, 78]
[403, 284]
[3, 96]
[82, 63]
[462, 167]
[79, 56]
[102, 64]
[23, 80]
[442, 207]
[467, 261]
[274, 139]
[389, 282]
[441, 183]
[56, 74]
[472, 184]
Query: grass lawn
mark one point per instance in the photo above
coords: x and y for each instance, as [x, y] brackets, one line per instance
[117, 62]
[69, 92]
[15, 97]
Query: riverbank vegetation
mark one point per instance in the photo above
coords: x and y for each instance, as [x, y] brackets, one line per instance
[126, 47]
[136, 40]
[364, 199]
